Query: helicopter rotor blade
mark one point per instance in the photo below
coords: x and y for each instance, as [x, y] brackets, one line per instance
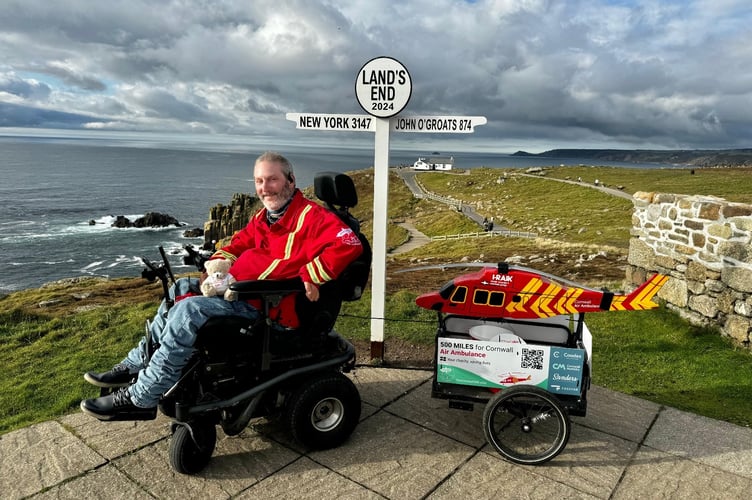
[549, 276]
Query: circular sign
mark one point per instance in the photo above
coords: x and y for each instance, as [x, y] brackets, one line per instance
[383, 87]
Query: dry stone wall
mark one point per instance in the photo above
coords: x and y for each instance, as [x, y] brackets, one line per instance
[704, 244]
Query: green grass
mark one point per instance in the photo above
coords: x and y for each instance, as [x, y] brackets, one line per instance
[550, 209]
[403, 319]
[437, 219]
[729, 183]
[657, 356]
[45, 355]
[653, 355]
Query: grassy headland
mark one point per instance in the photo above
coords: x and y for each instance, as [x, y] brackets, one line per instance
[51, 335]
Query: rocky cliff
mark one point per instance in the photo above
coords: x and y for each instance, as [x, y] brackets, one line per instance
[225, 220]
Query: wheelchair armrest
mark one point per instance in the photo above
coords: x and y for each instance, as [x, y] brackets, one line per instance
[261, 288]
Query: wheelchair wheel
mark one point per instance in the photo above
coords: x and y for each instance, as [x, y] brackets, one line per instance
[190, 454]
[526, 424]
[324, 411]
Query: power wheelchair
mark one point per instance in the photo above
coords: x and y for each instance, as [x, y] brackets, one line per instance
[241, 371]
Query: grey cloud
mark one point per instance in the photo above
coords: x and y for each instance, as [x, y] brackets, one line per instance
[13, 115]
[659, 72]
[161, 104]
[83, 82]
[24, 88]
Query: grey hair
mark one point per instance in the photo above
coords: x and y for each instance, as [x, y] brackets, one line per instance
[274, 157]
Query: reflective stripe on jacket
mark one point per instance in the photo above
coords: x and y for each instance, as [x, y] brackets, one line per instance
[307, 241]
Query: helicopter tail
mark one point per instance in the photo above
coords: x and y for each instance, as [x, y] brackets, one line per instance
[641, 298]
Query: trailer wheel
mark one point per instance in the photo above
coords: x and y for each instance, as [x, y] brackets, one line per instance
[190, 454]
[526, 424]
[324, 411]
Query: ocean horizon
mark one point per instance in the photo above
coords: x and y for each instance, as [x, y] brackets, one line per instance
[60, 195]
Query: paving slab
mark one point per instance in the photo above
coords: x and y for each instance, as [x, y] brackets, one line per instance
[619, 414]
[238, 462]
[592, 462]
[718, 444]
[407, 446]
[379, 386]
[114, 439]
[419, 407]
[396, 458]
[304, 479]
[41, 456]
[107, 482]
[656, 474]
[485, 476]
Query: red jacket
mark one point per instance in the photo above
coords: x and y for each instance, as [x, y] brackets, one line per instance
[307, 241]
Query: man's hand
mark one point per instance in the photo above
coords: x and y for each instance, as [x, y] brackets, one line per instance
[311, 291]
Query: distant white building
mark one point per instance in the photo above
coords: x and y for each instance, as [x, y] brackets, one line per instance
[434, 163]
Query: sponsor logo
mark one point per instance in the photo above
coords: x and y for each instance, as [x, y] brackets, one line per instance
[348, 236]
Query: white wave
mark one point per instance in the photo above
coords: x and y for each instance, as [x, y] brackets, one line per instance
[56, 262]
[105, 223]
[8, 288]
[100, 267]
[41, 263]
[107, 220]
[93, 265]
[45, 231]
[19, 223]
[23, 238]
[124, 259]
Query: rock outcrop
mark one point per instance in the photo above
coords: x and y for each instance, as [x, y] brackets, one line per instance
[150, 219]
[196, 232]
[225, 220]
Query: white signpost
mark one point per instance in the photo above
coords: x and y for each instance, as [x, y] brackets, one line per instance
[383, 88]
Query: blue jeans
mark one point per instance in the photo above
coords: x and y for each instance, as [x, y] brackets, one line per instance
[176, 334]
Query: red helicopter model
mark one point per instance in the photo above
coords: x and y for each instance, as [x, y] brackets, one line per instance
[517, 292]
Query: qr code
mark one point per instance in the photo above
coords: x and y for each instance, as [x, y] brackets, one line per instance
[532, 358]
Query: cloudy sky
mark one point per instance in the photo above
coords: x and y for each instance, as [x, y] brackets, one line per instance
[580, 73]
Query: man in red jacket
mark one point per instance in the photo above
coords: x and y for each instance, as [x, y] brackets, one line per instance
[291, 236]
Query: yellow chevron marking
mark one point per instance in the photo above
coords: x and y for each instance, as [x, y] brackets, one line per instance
[540, 306]
[524, 295]
[560, 306]
[573, 293]
[618, 303]
[643, 300]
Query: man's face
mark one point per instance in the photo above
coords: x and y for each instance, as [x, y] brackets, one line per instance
[272, 186]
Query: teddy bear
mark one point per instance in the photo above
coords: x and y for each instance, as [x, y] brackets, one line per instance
[219, 279]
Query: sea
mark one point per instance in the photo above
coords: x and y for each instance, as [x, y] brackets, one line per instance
[59, 197]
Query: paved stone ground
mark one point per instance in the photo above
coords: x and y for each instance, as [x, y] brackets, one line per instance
[407, 446]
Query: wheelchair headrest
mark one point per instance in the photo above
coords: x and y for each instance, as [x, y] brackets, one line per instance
[335, 189]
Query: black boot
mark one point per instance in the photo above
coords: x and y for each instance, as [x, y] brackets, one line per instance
[120, 376]
[117, 406]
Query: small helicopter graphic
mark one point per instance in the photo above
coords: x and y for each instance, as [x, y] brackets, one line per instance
[513, 379]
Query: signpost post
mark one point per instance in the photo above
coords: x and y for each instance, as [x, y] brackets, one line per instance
[383, 88]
